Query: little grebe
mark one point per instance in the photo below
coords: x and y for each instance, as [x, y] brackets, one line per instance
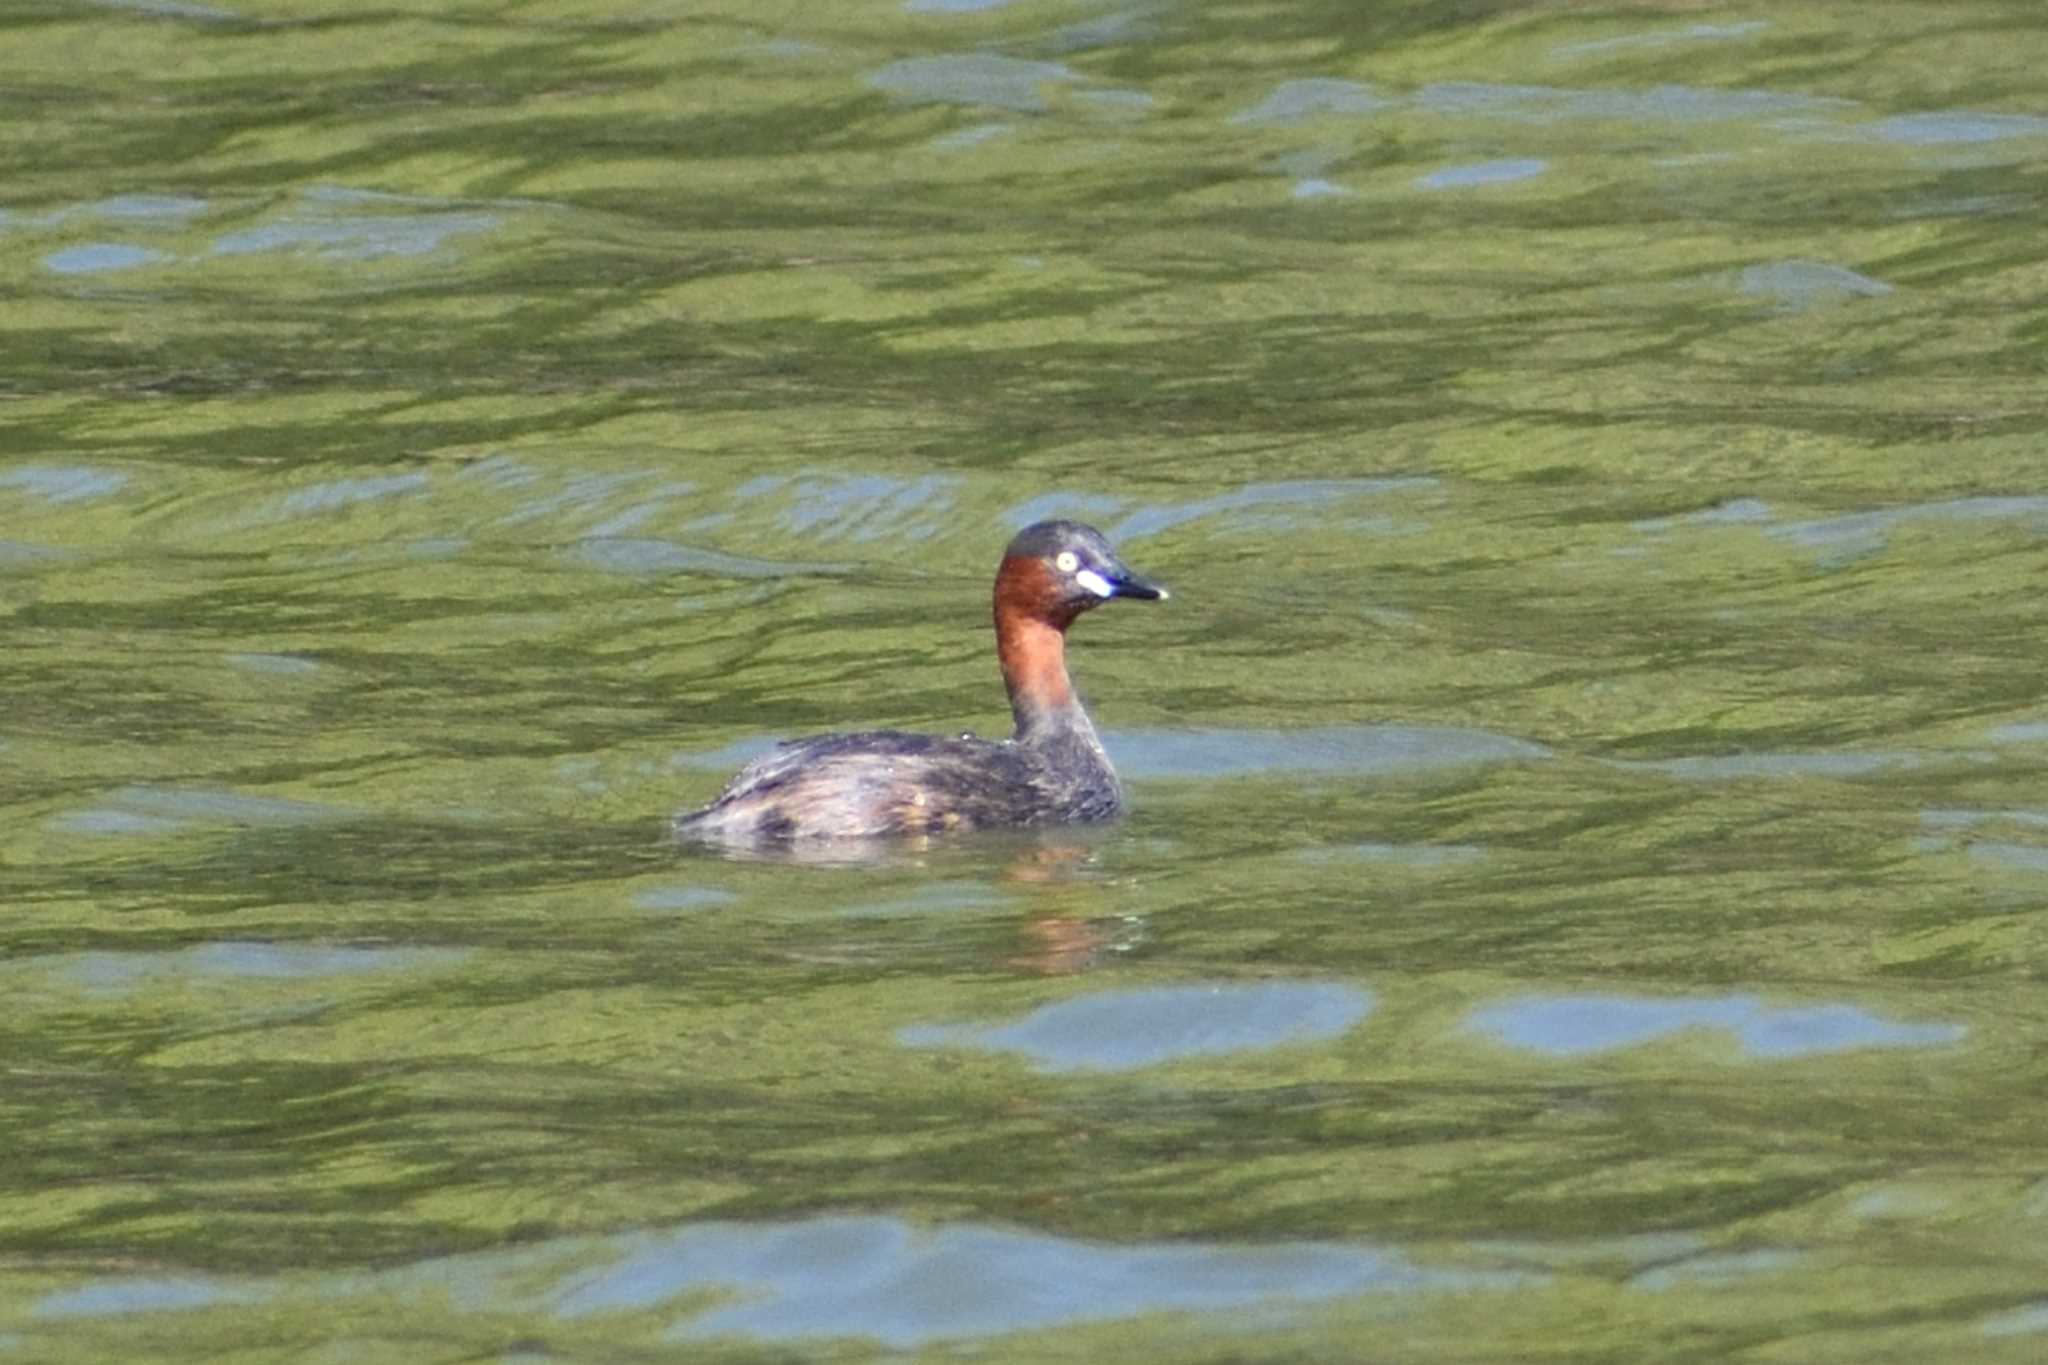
[886, 782]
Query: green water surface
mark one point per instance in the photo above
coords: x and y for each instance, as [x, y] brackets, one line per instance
[1587, 885]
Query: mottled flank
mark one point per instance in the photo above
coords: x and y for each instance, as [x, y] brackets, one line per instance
[884, 783]
[888, 783]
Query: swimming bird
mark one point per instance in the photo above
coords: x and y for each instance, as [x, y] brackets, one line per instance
[882, 783]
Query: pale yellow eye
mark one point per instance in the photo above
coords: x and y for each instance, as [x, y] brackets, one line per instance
[1067, 560]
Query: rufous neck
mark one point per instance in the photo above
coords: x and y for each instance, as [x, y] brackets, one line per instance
[1033, 654]
[1031, 645]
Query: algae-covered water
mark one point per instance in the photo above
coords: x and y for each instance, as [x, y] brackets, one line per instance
[1587, 886]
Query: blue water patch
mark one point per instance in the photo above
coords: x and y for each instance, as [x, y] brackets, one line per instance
[977, 79]
[148, 208]
[175, 9]
[887, 1280]
[1125, 1030]
[2020, 1322]
[1943, 129]
[1318, 97]
[139, 1294]
[95, 258]
[2020, 732]
[870, 1276]
[332, 222]
[303, 961]
[1315, 187]
[1579, 1025]
[1863, 533]
[1483, 173]
[1363, 750]
[1939, 818]
[2024, 857]
[64, 483]
[115, 822]
[1797, 286]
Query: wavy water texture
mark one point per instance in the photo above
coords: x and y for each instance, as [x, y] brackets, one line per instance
[1586, 849]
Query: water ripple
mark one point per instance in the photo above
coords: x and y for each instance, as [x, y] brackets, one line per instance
[888, 1280]
[1578, 1025]
[978, 79]
[1126, 1030]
